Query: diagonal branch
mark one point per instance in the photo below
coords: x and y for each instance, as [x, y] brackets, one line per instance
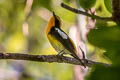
[85, 13]
[48, 58]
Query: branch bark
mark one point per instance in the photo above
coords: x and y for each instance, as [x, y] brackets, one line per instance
[48, 58]
[85, 13]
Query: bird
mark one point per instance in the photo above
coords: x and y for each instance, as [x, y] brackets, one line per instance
[59, 40]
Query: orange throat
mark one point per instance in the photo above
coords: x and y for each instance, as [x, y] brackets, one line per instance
[51, 24]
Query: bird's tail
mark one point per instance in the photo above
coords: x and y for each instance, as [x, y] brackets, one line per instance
[76, 57]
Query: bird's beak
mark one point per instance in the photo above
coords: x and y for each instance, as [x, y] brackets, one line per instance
[54, 14]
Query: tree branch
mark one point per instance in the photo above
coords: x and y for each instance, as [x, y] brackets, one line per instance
[48, 58]
[85, 13]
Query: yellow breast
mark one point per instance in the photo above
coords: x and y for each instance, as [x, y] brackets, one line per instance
[55, 43]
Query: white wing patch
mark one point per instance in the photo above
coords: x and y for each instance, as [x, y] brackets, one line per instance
[64, 36]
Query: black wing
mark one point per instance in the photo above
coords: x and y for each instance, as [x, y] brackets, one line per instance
[61, 36]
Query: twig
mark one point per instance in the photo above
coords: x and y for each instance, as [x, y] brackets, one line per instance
[85, 13]
[83, 54]
[47, 58]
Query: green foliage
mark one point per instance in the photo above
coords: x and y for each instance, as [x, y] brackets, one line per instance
[87, 4]
[100, 72]
[108, 5]
[107, 38]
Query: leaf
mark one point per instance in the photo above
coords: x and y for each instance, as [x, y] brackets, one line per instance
[108, 5]
[105, 37]
[104, 73]
[114, 56]
[87, 4]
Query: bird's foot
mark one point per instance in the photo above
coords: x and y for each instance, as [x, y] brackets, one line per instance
[61, 53]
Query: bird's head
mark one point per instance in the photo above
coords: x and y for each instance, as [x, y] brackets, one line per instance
[53, 22]
[57, 20]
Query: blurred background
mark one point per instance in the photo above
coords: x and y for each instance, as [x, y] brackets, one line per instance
[22, 30]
